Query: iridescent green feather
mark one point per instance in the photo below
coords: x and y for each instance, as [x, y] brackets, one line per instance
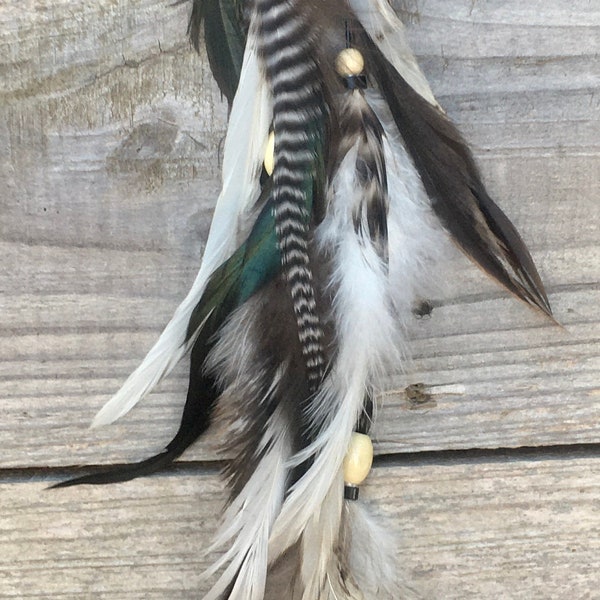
[258, 260]
[253, 264]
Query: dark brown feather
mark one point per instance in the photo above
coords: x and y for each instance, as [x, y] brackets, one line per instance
[453, 182]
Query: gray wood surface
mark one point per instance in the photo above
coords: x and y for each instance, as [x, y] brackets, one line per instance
[110, 135]
[526, 529]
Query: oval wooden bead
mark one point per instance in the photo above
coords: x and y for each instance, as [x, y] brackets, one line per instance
[359, 459]
[349, 62]
[269, 161]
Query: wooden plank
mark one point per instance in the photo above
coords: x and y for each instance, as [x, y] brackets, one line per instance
[112, 133]
[112, 128]
[518, 529]
[487, 386]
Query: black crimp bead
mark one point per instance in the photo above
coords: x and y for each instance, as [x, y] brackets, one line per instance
[350, 492]
[355, 82]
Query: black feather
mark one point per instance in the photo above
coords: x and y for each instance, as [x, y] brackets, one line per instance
[225, 38]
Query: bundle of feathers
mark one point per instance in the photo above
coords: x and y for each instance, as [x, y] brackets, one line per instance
[342, 179]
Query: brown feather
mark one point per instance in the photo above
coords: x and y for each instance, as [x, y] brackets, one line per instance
[453, 182]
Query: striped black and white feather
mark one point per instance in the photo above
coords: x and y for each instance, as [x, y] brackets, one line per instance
[298, 111]
[308, 279]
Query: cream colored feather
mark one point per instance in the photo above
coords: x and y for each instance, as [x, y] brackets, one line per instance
[243, 156]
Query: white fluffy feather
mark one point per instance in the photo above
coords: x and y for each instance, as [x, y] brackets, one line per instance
[248, 521]
[371, 551]
[243, 155]
[365, 326]
[319, 569]
[417, 241]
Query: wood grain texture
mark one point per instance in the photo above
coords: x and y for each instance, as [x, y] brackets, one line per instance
[519, 530]
[111, 129]
[112, 133]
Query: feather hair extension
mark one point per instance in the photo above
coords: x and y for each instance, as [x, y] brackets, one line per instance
[313, 262]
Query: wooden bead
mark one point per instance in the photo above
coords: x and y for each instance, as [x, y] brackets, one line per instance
[359, 459]
[270, 154]
[349, 62]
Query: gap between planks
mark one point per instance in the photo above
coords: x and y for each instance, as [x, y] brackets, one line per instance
[475, 456]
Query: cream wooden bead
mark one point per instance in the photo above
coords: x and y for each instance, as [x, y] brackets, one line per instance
[270, 154]
[349, 62]
[359, 459]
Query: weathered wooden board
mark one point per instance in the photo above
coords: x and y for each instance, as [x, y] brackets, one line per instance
[518, 530]
[111, 127]
[110, 134]
[490, 385]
